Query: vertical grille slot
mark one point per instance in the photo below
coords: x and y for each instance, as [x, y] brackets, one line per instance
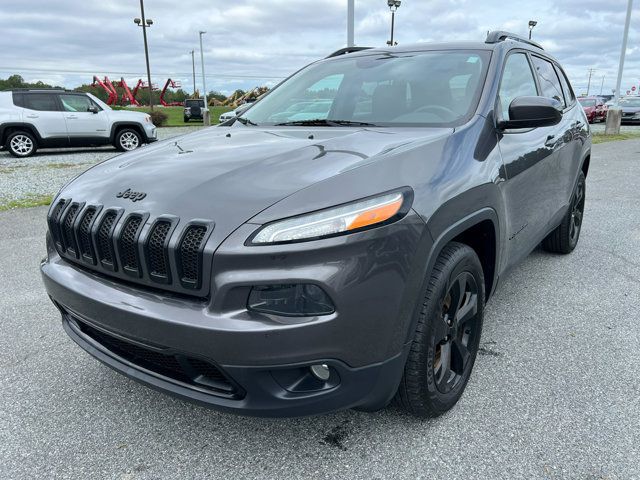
[68, 238]
[54, 223]
[85, 246]
[189, 255]
[129, 245]
[157, 255]
[103, 241]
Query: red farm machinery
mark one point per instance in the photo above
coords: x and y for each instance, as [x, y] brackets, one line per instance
[129, 95]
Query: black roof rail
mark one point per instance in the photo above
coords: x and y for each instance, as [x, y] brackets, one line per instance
[41, 89]
[345, 50]
[500, 36]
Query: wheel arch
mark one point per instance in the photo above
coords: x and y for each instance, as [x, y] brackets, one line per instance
[8, 128]
[118, 126]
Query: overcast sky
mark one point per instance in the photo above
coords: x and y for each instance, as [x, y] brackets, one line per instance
[257, 42]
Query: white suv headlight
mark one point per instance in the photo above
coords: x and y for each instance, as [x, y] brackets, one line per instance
[334, 221]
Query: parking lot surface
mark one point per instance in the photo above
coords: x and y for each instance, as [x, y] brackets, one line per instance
[555, 393]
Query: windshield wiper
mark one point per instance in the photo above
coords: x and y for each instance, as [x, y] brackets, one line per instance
[324, 122]
[246, 121]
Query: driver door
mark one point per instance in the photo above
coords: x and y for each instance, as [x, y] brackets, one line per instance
[529, 156]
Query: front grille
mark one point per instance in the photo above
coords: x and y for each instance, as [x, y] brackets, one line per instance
[189, 255]
[68, 238]
[129, 245]
[156, 248]
[183, 368]
[120, 245]
[105, 247]
[85, 245]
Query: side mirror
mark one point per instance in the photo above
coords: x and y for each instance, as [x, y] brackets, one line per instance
[532, 112]
[93, 109]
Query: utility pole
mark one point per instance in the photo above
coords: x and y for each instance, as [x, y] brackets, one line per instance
[602, 85]
[614, 115]
[205, 117]
[193, 64]
[350, 23]
[591, 70]
[146, 23]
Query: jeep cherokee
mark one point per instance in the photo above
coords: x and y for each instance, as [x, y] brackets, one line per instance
[292, 264]
[32, 119]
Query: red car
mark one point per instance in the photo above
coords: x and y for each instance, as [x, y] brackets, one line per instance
[594, 108]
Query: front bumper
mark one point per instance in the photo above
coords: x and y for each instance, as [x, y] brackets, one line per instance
[373, 278]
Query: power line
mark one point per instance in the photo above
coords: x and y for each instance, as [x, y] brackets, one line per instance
[88, 72]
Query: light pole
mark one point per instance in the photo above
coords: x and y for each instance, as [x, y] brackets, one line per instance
[193, 64]
[205, 117]
[532, 23]
[146, 23]
[614, 114]
[350, 22]
[393, 6]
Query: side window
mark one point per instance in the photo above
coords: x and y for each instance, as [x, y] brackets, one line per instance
[517, 81]
[549, 82]
[43, 102]
[75, 103]
[569, 96]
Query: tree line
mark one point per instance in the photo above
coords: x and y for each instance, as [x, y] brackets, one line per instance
[178, 95]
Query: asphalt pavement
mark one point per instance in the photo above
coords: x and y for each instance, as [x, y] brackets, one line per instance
[555, 393]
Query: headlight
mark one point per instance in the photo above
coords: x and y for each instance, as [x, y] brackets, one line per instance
[334, 221]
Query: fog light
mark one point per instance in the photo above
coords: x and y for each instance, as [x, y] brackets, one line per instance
[301, 300]
[321, 372]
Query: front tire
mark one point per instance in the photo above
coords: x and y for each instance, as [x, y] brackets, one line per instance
[565, 237]
[128, 139]
[21, 144]
[447, 335]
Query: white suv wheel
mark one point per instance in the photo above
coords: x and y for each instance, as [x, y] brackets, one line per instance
[129, 140]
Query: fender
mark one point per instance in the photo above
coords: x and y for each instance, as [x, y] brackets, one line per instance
[25, 126]
[139, 128]
[442, 236]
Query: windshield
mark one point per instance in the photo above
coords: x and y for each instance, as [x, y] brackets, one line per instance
[630, 102]
[587, 102]
[434, 88]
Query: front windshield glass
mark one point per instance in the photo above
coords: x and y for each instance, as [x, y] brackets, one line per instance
[587, 102]
[433, 88]
[630, 102]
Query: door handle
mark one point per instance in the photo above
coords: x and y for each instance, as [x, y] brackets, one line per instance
[33, 116]
[72, 117]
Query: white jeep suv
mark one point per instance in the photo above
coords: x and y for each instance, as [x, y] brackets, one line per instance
[32, 119]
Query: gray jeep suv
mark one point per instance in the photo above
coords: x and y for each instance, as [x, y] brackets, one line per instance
[334, 246]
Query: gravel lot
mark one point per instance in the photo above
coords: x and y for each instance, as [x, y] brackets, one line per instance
[554, 394]
[48, 170]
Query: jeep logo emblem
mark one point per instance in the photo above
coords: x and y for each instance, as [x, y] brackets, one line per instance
[133, 196]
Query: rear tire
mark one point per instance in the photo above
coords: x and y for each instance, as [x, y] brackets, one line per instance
[565, 237]
[21, 144]
[128, 139]
[447, 335]
[186, 120]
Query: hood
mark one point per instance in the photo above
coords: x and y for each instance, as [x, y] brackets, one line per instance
[125, 115]
[228, 175]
